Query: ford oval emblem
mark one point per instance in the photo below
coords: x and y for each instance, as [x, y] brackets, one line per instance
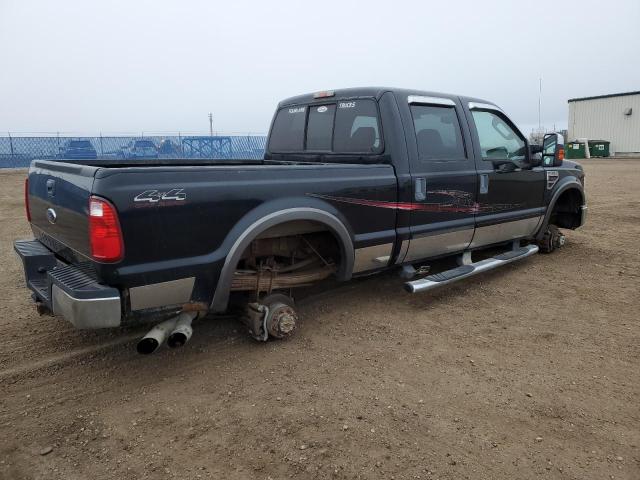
[51, 215]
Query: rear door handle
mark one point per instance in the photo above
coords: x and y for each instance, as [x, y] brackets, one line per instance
[420, 189]
[51, 187]
[484, 183]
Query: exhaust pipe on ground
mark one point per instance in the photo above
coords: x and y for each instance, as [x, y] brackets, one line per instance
[182, 331]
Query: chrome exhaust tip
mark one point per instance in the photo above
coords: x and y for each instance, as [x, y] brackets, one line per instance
[156, 337]
[409, 288]
[182, 331]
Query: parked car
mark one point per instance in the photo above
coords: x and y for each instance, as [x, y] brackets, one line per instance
[139, 149]
[353, 182]
[168, 149]
[77, 149]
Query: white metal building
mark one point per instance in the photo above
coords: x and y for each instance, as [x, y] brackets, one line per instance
[615, 118]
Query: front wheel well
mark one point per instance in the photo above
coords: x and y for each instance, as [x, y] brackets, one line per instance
[566, 210]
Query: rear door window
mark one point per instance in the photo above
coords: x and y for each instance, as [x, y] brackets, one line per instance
[438, 133]
[320, 127]
[287, 134]
[357, 129]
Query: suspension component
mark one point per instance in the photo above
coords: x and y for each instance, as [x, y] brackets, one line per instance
[553, 239]
[266, 280]
[274, 316]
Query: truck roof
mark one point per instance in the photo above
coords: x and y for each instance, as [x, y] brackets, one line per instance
[375, 92]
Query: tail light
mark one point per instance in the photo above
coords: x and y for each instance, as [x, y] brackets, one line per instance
[105, 235]
[561, 154]
[26, 199]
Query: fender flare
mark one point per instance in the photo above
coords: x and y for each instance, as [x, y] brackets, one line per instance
[223, 288]
[570, 183]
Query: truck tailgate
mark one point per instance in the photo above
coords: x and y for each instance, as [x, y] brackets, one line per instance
[58, 196]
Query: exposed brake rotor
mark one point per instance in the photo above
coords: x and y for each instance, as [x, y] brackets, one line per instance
[281, 320]
[274, 316]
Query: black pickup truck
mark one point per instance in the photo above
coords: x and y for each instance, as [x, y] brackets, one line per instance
[353, 182]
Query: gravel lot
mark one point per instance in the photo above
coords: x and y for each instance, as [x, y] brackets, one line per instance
[526, 372]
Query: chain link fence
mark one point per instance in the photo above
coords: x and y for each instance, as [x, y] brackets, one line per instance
[17, 152]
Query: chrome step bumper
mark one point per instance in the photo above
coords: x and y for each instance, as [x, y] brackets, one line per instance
[465, 271]
[70, 291]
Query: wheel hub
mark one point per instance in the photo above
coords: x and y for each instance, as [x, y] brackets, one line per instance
[552, 239]
[281, 321]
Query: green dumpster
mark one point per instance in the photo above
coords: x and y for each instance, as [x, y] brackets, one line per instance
[574, 150]
[599, 148]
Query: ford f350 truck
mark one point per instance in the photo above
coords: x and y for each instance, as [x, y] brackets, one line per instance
[353, 182]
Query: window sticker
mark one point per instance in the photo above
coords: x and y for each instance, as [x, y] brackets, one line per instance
[322, 109]
[346, 104]
[296, 110]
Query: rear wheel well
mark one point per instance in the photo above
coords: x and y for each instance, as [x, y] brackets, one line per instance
[288, 255]
[566, 211]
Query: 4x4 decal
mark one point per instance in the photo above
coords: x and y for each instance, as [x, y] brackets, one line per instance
[156, 196]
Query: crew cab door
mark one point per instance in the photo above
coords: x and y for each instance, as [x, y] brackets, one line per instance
[444, 179]
[510, 197]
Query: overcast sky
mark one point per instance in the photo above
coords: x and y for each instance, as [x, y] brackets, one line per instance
[160, 66]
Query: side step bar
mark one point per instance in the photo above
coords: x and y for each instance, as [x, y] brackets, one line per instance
[464, 271]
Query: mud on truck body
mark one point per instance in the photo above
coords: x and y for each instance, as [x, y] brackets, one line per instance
[353, 182]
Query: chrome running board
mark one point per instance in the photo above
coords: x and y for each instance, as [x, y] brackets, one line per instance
[469, 269]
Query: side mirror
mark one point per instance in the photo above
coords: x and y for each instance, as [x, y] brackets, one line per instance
[552, 150]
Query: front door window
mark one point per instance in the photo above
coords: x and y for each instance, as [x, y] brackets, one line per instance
[498, 140]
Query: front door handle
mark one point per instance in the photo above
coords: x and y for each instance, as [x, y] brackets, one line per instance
[420, 189]
[484, 183]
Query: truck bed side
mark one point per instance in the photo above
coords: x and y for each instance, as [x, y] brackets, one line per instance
[181, 221]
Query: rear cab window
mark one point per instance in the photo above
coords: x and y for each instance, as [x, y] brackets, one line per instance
[287, 133]
[320, 127]
[350, 126]
[357, 127]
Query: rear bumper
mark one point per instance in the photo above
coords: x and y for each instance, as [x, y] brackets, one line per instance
[86, 313]
[70, 291]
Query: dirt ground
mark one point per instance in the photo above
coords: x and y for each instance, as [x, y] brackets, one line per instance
[526, 372]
